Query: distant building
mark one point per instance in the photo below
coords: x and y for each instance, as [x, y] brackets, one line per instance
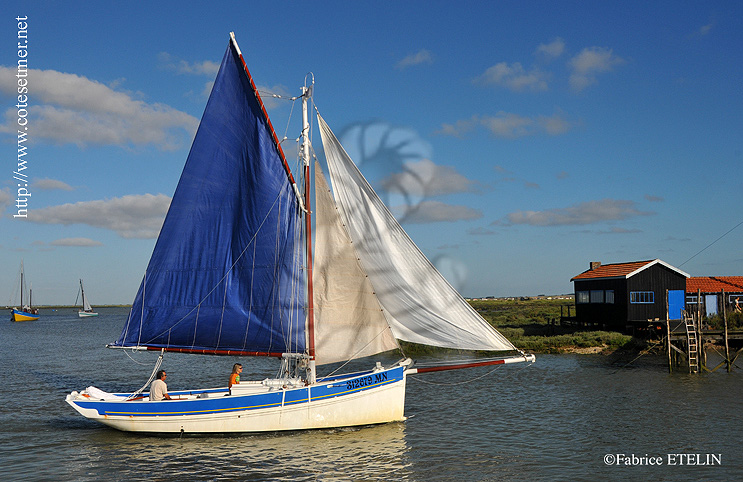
[626, 296]
[704, 293]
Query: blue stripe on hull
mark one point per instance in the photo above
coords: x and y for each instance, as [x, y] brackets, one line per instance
[18, 315]
[225, 404]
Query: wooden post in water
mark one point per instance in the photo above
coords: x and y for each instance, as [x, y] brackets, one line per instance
[699, 305]
[668, 344]
[700, 349]
[725, 334]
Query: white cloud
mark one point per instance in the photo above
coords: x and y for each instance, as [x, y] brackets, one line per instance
[426, 178]
[589, 63]
[706, 29]
[554, 125]
[553, 49]
[459, 128]
[509, 125]
[132, 216]
[206, 67]
[480, 231]
[514, 77]
[4, 199]
[616, 230]
[590, 212]
[85, 112]
[436, 211]
[47, 184]
[421, 57]
[82, 242]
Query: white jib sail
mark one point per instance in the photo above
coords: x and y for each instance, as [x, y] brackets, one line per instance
[86, 303]
[420, 305]
[349, 322]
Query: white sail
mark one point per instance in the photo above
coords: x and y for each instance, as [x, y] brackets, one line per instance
[349, 322]
[420, 305]
[86, 302]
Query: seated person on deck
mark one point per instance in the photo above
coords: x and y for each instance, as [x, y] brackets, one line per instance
[235, 375]
[158, 388]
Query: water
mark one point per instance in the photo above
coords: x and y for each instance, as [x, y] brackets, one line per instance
[555, 420]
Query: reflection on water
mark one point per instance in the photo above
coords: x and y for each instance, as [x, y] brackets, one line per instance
[369, 453]
[554, 420]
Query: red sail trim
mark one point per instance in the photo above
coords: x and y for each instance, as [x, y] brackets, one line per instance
[233, 44]
[460, 365]
[216, 352]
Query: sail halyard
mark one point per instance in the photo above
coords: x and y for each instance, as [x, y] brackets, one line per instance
[223, 277]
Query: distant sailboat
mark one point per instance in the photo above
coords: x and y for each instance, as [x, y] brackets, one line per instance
[87, 310]
[25, 312]
[233, 273]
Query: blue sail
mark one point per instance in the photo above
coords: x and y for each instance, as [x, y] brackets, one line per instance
[226, 274]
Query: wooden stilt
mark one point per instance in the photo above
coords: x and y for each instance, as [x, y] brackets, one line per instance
[725, 332]
[668, 344]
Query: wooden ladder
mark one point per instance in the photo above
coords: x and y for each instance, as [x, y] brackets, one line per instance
[691, 344]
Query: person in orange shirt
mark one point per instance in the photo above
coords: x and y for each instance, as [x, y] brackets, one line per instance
[235, 375]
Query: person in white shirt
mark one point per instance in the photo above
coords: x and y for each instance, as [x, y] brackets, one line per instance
[158, 388]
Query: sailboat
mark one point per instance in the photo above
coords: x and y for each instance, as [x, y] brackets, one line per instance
[233, 273]
[87, 310]
[25, 312]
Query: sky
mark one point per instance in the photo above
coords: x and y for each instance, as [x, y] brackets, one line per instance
[517, 141]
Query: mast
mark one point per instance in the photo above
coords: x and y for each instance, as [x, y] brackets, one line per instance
[306, 93]
[21, 285]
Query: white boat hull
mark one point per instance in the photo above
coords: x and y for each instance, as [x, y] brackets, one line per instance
[86, 314]
[365, 399]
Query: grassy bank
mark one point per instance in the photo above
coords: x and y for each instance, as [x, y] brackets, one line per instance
[529, 324]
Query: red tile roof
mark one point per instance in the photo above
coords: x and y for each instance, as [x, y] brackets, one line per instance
[612, 270]
[622, 270]
[714, 284]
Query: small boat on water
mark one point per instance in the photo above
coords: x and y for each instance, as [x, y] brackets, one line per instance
[25, 312]
[87, 310]
[233, 273]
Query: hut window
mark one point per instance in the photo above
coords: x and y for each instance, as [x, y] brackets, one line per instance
[641, 297]
[597, 296]
[610, 296]
[581, 297]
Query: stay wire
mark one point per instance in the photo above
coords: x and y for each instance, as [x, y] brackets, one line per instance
[710, 244]
[528, 364]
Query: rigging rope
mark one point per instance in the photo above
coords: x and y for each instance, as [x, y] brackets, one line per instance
[158, 363]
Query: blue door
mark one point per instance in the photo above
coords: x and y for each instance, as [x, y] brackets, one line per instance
[676, 300]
